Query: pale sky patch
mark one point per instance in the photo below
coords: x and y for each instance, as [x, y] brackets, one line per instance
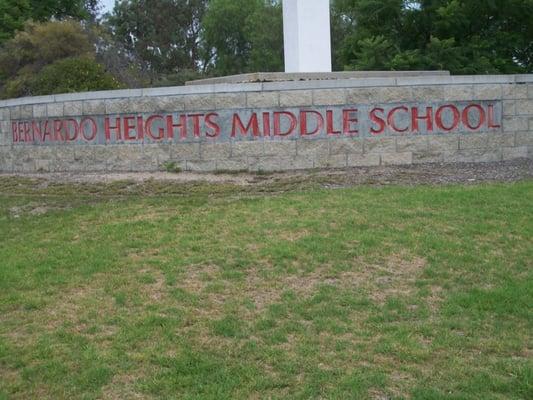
[107, 5]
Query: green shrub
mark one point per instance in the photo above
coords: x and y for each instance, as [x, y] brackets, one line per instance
[171, 166]
[51, 57]
[79, 74]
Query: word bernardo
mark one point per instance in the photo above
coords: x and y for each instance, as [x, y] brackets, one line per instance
[256, 124]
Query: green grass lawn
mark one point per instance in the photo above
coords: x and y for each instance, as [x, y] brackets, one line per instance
[220, 292]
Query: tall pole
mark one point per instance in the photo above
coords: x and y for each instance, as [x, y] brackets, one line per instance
[307, 37]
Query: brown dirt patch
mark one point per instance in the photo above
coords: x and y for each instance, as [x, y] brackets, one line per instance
[435, 173]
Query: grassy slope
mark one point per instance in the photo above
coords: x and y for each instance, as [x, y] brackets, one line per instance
[356, 293]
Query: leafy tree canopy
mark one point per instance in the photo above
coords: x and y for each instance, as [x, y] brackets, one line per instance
[14, 13]
[463, 36]
[244, 35]
[35, 56]
[163, 35]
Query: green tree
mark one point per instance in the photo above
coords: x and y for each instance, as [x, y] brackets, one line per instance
[76, 74]
[36, 54]
[244, 35]
[40, 44]
[463, 36]
[264, 30]
[14, 13]
[162, 35]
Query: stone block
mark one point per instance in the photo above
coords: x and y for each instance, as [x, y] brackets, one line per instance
[154, 155]
[331, 161]
[486, 141]
[417, 143]
[147, 161]
[199, 102]
[296, 98]
[14, 112]
[423, 157]
[66, 161]
[234, 164]
[282, 148]
[150, 165]
[25, 164]
[392, 94]
[488, 91]
[404, 158]
[73, 108]
[515, 124]
[247, 149]
[374, 95]
[474, 155]
[42, 165]
[329, 97]
[4, 141]
[5, 128]
[26, 111]
[443, 143]
[68, 153]
[280, 163]
[346, 146]
[379, 145]
[201, 165]
[61, 166]
[458, 92]
[360, 96]
[184, 151]
[169, 104]
[514, 91]
[144, 105]
[312, 147]
[93, 158]
[362, 160]
[524, 139]
[4, 114]
[6, 162]
[509, 107]
[118, 106]
[123, 158]
[524, 107]
[43, 152]
[512, 153]
[54, 109]
[530, 91]
[429, 93]
[94, 107]
[215, 151]
[39, 111]
[157, 156]
[230, 100]
[159, 151]
[262, 99]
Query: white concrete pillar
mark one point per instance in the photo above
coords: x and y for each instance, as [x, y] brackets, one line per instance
[307, 37]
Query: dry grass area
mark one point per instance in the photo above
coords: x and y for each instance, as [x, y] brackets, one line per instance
[272, 290]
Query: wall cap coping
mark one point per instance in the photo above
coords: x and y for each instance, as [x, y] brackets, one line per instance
[305, 76]
[272, 86]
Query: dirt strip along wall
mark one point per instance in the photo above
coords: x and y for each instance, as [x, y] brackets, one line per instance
[272, 126]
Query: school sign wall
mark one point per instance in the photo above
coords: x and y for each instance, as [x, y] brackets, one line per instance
[273, 126]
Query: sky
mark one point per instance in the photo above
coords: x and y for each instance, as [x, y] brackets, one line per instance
[107, 5]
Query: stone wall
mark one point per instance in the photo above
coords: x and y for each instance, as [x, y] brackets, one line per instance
[474, 119]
